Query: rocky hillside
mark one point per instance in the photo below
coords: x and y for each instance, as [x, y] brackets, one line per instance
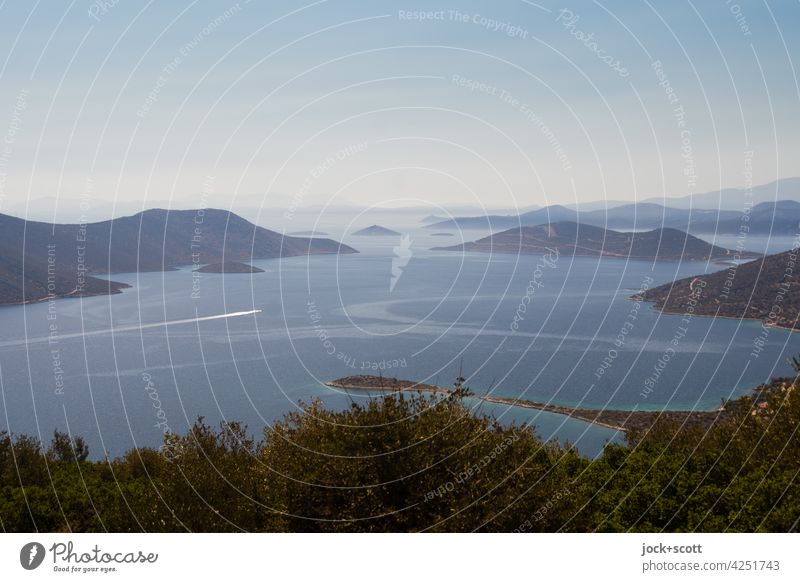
[767, 289]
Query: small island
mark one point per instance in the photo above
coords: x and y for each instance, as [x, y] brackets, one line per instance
[376, 230]
[442, 234]
[229, 267]
[367, 382]
[621, 420]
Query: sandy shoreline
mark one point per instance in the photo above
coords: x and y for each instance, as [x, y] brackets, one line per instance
[668, 312]
[614, 419]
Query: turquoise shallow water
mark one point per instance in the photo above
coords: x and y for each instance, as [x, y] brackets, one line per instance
[110, 369]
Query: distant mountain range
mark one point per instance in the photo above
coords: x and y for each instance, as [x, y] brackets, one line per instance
[767, 289]
[264, 209]
[431, 219]
[38, 259]
[777, 218]
[571, 238]
[736, 198]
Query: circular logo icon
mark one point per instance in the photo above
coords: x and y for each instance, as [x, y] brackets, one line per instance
[31, 555]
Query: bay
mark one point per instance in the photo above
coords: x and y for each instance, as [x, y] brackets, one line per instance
[119, 370]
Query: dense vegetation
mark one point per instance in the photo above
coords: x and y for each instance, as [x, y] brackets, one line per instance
[414, 463]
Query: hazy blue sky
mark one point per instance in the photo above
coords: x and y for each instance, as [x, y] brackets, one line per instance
[362, 102]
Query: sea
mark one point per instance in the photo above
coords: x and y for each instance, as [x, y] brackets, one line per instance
[121, 370]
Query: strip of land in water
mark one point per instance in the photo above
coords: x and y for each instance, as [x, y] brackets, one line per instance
[614, 419]
[366, 382]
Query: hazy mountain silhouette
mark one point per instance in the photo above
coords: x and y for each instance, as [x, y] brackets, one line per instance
[570, 238]
[34, 255]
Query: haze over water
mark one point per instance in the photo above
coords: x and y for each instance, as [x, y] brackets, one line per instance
[320, 318]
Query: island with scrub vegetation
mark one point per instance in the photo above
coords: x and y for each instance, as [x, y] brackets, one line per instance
[766, 289]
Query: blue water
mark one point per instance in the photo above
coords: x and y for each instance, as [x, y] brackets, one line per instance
[325, 317]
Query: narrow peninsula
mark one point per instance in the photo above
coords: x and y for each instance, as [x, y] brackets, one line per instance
[616, 419]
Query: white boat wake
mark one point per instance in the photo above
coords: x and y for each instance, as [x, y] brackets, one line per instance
[124, 329]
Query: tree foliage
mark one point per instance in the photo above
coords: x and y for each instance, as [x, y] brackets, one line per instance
[414, 463]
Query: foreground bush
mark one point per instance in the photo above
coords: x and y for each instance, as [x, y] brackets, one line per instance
[404, 463]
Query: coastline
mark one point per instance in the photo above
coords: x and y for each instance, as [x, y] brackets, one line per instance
[614, 419]
[366, 382]
[597, 255]
[104, 277]
[70, 295]
[655, 307]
